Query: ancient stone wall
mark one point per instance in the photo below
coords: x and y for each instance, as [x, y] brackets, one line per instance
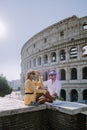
[43, 120]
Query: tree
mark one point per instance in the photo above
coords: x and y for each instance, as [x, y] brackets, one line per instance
[5, 89]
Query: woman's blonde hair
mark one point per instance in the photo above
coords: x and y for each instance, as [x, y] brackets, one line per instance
[29, 73]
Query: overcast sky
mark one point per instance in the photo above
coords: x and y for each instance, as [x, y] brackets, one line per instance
[22, 19]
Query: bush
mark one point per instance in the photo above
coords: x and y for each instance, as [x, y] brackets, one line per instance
[61, 98]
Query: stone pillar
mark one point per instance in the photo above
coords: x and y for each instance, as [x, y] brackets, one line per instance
[41, 60]
[67, 54]
[80, 95]
[49, 58]
[57, 56]
[36, 61]
[68, 74]
[79, 73]
[79, 52]
[67, 94]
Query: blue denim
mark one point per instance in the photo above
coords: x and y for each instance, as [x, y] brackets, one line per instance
[35, 103]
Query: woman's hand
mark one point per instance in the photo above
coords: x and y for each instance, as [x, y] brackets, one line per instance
[54, 95]
[37, 72]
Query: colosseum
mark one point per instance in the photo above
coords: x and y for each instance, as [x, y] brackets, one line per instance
[61, 46]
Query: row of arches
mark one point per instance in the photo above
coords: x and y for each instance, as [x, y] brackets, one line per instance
[74, 96]
[73, 74]
[62, 55]
[46, 58]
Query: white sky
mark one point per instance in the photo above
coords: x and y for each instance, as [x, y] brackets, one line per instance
[21, 19]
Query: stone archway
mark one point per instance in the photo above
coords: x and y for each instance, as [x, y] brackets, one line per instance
[74, 95]
[85, 94]
[63, 94]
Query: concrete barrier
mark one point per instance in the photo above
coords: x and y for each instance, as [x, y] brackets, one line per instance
[14, 115]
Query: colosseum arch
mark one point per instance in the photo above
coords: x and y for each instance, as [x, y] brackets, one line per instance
[34, 62]
[45, 76]
[45, 59]
[84, 73]
[62, 55]
[85, 26]
[74, 95]
[63, 94]
[39, 60]
[53, 56]
[85, 94]
[73, 52]
[84, 51]
[73, 73]
[63, 74]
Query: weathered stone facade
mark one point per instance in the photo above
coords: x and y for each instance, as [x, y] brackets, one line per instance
[60, 47]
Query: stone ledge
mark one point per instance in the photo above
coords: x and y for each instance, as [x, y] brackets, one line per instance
[10, 106]
[70, 108]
